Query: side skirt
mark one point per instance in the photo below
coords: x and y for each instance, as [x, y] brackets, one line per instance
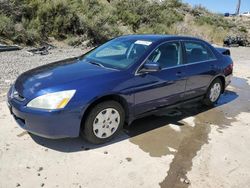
[177, 105]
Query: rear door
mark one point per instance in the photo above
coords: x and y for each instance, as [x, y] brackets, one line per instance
[165, 87]
[200, 68]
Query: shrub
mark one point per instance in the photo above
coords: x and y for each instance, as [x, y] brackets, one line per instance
[6, 26]
[243, 29]
[100, 20]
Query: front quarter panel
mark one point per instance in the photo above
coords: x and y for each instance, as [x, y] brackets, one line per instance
[96, 88]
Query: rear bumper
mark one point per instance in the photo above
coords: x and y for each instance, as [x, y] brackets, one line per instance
[228, 79]
[49, 124]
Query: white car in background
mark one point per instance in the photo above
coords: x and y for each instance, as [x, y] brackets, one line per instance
[246, 14]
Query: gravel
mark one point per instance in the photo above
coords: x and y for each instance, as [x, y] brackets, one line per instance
[13, 63]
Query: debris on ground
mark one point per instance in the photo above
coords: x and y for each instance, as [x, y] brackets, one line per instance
[44, 50]
[4, 48]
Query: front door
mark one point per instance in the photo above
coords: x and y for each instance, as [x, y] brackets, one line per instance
[165, 87]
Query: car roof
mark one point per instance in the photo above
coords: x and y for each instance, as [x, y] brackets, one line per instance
[156, 38]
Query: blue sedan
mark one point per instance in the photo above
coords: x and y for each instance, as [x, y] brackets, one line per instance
[126, 78]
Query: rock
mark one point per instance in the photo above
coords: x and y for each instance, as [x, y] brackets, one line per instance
[129, 159]
[18, 185]
[40, 169]
[185, 180]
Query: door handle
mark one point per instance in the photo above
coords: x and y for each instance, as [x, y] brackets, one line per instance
[212, 66]
[179, 74]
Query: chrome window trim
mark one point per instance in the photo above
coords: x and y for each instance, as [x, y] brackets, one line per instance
[180, 65]
[183, 65]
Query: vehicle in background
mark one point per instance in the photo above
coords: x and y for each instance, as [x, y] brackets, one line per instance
[124, 79]
[245, 14]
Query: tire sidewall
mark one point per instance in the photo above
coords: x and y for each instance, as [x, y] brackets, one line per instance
[207, 100]
[88, 132]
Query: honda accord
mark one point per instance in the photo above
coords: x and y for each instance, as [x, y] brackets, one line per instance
[127, 78]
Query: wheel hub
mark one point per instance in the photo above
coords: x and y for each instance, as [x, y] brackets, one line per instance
[215, 92]
[106, 123]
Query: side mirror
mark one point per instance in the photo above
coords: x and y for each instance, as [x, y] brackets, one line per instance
[150, 67]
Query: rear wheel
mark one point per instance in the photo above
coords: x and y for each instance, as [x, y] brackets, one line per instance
[103, 122]
[213, 93]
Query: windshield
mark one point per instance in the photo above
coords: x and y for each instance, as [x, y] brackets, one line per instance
[118, 53]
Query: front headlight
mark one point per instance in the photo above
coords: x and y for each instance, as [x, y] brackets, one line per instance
[52, 101]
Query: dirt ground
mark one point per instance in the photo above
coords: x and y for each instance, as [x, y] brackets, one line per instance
[193, 147]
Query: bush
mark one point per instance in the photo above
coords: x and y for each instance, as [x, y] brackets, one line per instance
[6, 26]
[34, 21]
[139, 13]
[217, 21]
[243, 29]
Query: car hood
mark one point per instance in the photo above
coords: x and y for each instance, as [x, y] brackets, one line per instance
[57, 74]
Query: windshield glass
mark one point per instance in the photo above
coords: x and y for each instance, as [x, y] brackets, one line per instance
[118, 53]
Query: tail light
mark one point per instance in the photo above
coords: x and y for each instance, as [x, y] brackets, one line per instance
[229, 69]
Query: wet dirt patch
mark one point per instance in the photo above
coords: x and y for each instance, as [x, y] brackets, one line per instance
[173, 135]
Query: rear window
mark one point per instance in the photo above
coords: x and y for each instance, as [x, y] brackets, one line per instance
[197, 52]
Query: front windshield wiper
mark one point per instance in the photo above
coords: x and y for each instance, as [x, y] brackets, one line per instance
[95, 63]
[100, 64]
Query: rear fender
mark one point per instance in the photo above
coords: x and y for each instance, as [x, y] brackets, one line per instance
[224, 51]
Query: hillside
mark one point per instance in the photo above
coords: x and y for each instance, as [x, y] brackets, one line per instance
[243, 23]
[91, 22]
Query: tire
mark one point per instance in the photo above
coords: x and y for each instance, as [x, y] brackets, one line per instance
[103, 122]
[213, 93]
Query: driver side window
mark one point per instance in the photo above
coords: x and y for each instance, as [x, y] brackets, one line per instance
[167, 55]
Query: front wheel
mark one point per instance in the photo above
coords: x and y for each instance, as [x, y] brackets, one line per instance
[103, 122]
[213, 93]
